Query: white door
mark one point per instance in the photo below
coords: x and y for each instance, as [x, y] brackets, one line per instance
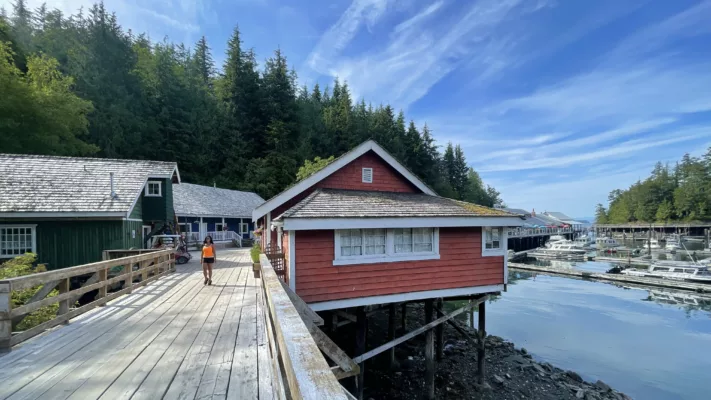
[146, 232]
[203, 230]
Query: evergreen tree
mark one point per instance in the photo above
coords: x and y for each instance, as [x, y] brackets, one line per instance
[600, 214]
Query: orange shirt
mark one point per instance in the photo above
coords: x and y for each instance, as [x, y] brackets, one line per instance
[207, 251]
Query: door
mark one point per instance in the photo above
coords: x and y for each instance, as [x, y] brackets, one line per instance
[203, 230]
[146, 232]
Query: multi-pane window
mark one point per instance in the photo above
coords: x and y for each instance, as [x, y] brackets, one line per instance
[244, 228]
[414, 240]
[374, 241]
[493, 238]
[16, 240]
[381, 245]
[153, 189]
[352, 242]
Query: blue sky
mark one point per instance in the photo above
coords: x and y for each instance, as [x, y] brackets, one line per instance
[554, 102]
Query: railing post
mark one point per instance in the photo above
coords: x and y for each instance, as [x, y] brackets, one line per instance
[64, 286]
[5, 319]
[128, 271]
[103, 277]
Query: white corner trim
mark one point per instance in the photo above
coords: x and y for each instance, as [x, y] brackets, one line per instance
[503, 243]
[344, 160]
[160, 189]
[268, 229]
[398, 298]
[414, 222]
[506, 265]
[292, 260]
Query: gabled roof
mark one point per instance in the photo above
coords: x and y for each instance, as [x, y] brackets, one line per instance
[337, 164]
[518, 211]
[339, 203]
[198, 200]
[52, 186]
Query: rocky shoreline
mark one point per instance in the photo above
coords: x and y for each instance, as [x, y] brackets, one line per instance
[510, 373]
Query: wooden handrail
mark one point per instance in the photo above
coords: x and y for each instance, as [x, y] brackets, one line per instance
[303, 369]
[158, 263]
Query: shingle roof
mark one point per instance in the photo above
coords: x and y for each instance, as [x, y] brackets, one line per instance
[335, 203]
[198, 200]
[30, 183]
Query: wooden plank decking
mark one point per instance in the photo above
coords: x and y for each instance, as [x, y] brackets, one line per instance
[174, 338]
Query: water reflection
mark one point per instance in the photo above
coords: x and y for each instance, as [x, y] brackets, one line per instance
[651, 344]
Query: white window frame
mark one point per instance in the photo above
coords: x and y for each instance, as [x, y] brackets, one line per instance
[160, 189]
[244, 227]
[33, 228]
[363, 172]
[503, 242]
[187, 225]
[389, 256]
[221, 225]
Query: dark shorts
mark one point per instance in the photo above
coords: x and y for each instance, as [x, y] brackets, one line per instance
[208, 260]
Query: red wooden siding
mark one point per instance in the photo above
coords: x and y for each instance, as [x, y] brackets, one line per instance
[385, 179]
[460, 265]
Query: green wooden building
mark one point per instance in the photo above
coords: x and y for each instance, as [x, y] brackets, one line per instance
[68, 210]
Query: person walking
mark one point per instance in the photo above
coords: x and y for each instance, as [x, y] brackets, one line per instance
[207, 259]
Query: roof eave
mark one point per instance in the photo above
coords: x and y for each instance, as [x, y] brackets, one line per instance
[328, 223]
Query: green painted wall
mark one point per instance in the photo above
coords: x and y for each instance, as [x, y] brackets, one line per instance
[159, 208]
[137, 212]
[133, 236]
[63, 244]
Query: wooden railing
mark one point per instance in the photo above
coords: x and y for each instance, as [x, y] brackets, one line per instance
[132, 272]
[299, 369]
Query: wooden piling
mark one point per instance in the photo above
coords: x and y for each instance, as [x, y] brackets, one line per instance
[439, 332]
[481, 354]
[361, 334]
[429, 350]
[391, 333]
[403, 316]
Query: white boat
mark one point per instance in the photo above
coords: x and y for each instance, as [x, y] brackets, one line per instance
[583, 241]
[652, 244]
[562, 248]
[606, 243]
[676, 270]
[672, 245]
[555, 239]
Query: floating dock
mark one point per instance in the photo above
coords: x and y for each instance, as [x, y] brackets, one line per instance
[621, 278]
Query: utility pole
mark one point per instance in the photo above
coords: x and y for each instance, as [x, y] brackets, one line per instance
[649, 240]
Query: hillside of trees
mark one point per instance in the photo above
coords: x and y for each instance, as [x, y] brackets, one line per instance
[81, 85]
[681, 193]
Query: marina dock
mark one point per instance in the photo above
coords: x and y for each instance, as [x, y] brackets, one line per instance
[619, 278]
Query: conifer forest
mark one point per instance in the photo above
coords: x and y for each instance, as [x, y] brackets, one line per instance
[81, 85]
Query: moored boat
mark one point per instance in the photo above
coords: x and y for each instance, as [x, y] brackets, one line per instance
[675, 270]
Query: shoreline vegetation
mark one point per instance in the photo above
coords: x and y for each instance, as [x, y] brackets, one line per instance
[681, 193]
[82, 85]
[510, 373]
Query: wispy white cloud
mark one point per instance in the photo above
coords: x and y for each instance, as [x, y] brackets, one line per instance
[419, 17]
[623, 149]
[418, 54]
[339, 35]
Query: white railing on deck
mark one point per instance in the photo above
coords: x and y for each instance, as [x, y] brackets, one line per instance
[217, 236]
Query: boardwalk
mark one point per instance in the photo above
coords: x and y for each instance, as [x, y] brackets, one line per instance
[174, 338]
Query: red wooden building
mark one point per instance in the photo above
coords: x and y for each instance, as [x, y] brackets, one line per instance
[364, 230]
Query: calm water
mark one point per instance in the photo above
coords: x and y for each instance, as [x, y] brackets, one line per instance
[637, 341]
